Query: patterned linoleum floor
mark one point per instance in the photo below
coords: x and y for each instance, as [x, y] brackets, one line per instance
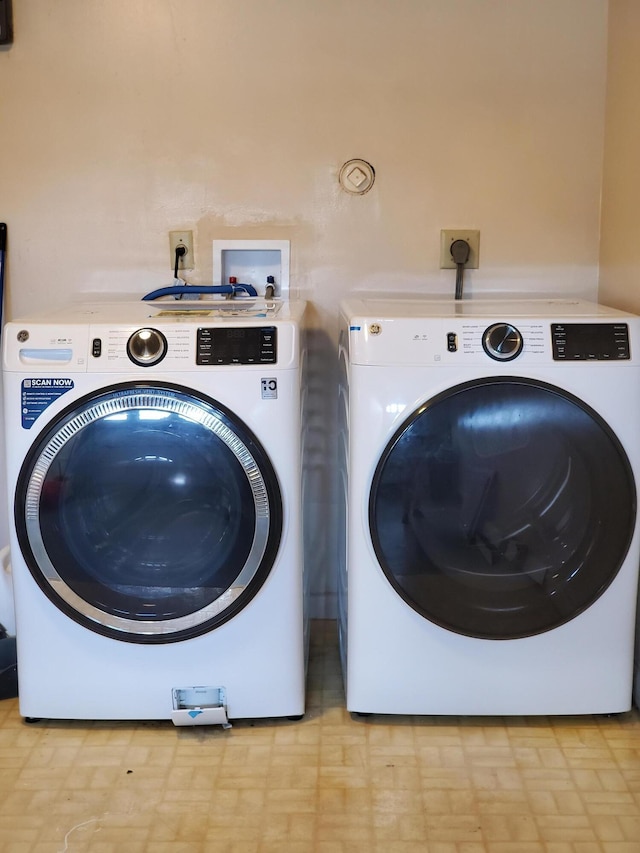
[328, 783]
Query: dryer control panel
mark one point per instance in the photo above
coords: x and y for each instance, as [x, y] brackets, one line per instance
[590, 341]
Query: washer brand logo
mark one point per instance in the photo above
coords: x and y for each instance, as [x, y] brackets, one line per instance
[48, 383]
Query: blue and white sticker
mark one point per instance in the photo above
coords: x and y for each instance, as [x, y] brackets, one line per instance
[38, 393]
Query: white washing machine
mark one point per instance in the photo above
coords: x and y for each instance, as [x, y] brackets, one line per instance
[154, 470]
[490, 460]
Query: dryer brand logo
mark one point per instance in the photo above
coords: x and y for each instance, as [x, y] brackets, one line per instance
[38, 393]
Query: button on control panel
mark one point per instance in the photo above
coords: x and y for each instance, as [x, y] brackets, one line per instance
[237, 345]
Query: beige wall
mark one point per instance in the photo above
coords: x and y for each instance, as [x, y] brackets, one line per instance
[620, 235]
[122, 120]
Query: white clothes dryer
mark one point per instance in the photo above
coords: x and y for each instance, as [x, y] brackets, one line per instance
[490, 461]
[154, 472]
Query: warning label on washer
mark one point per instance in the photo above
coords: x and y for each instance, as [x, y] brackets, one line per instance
[38, 394]
[269, 388]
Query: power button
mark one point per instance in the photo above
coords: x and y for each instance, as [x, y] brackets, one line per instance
[452, 342]
[96, 348]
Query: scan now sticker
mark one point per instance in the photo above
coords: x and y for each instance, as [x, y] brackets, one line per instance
[38, 393]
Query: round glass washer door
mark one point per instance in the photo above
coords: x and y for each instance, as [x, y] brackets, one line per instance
[502, 508]
[148, 513]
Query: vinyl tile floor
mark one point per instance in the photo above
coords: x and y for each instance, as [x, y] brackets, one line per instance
[328, 783]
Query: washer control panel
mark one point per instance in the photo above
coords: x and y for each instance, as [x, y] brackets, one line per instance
[182, 346]
[236, 345]
[590, 341]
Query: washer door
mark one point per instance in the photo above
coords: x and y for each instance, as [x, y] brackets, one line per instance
[148, 513]
[502, 508]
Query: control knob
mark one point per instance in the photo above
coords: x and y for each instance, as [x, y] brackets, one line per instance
[147, 347]
[502, 341]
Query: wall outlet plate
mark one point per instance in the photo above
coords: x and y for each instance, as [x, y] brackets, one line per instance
[448, 236]
[181, 238]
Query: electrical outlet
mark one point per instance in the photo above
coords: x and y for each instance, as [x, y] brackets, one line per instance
[181, 238]
[449, 236]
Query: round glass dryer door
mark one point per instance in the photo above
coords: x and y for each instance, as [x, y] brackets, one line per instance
[148, 513]
[502, 508]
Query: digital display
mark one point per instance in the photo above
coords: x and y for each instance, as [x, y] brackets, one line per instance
[590, 341]
[237, 345]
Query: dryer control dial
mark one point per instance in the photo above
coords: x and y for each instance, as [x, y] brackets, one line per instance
[502, 341]
[147, 347]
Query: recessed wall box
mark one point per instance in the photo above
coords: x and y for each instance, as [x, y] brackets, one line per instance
[251, 261]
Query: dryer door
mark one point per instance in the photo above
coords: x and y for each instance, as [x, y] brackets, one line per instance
[502, 508]
[148, 513]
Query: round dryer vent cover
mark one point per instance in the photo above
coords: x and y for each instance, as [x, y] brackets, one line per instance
[357, 177]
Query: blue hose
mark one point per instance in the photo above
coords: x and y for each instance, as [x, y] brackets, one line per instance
[179, 290]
